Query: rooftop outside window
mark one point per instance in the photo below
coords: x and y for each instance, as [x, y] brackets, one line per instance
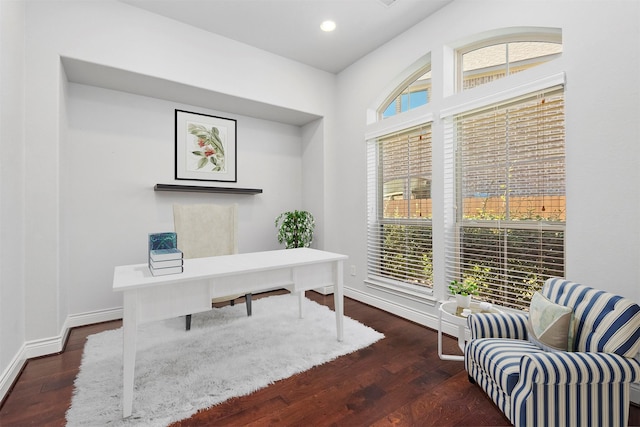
[492, 62]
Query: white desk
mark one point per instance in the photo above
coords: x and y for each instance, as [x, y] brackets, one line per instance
[148, 298]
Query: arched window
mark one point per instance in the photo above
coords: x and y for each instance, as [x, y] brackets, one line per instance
[414, 94]
[505, 153]
[495, 58]
[500, 189]
[399, 231]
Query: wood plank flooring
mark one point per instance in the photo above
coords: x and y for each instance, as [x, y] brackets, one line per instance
[397, 381]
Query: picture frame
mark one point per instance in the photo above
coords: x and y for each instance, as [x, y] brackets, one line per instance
[206, 147]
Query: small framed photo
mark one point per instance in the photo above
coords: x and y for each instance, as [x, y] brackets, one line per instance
[205, 147]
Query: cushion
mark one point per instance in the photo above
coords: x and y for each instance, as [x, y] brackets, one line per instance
[499, 359]
[548, 324]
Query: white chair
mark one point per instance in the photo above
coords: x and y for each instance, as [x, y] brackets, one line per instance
[206, 230]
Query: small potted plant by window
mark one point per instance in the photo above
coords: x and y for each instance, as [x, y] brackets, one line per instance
[463, 291]
[295, 229]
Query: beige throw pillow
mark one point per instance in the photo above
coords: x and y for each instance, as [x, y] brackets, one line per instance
[548, 324]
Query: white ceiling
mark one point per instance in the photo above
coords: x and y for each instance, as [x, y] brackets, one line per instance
[291, 28]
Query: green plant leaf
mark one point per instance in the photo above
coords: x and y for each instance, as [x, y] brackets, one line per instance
[198, 131]
[295, 228]
[214, 139]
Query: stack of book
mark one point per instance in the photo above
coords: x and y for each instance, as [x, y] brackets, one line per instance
[164, 255]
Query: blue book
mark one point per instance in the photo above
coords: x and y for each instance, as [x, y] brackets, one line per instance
[167, 240]
[164, 255]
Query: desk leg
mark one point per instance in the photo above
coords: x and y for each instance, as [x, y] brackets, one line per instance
[301, 304]
[129, 331]
[338, 300]
[297, 292]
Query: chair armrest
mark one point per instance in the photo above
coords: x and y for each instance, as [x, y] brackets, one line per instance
[498, 325]
[563, 367]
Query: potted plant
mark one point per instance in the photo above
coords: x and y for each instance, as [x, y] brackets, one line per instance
[463, 291]
[295, 229]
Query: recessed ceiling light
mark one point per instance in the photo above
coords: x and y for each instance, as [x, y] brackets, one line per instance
[328, 26]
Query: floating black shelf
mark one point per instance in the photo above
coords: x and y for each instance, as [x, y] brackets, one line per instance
[201, 189]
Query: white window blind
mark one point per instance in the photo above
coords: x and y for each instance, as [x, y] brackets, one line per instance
[505, 220]
[399, 204]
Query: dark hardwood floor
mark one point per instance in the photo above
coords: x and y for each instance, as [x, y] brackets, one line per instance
[397, 381]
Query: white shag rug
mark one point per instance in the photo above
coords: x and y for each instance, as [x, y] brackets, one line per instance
[225, 354]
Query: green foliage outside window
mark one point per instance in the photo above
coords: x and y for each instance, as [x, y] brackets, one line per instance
[407, 254]
[527, 256]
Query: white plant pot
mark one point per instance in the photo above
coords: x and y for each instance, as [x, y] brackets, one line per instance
[463, 301]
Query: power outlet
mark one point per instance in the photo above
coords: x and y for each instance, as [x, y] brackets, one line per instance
[353, 270]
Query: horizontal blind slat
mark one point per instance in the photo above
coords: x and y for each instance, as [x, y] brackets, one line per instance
[506, 228]
[399, 205]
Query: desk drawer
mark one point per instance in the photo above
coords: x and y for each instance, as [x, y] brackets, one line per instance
[178, 299]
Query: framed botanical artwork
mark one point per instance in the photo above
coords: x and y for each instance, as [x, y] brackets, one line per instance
[205, 147]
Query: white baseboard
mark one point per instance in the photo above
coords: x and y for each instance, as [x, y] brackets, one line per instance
[422, 318]
[325, 290]
[11, 373]
[30, 349]
[51, 345]
[409, 313]
[92, 317]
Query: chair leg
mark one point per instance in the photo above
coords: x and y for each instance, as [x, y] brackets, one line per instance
[471, 380]
[188, 322]
[233, 302]
[248, 298]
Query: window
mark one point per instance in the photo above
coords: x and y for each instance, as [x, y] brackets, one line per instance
[508, 196]
[399, 202]
[493, 60]
[413, 95]
[502, 180]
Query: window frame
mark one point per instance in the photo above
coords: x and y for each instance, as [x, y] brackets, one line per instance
[376, 218]
[455, 221]
[399, 91]
[528, 36]
[446, 100]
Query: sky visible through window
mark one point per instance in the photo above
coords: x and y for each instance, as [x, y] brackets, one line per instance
[412, 96]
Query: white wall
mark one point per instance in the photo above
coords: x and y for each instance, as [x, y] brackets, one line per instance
[603, 148]
[601, 60]
[12, 303]
[84, 200]
[313, 177]
[117, 147]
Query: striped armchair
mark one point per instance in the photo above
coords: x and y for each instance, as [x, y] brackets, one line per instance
[588, 385]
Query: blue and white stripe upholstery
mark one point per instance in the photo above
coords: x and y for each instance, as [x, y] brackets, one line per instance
[494, 363]
[498, 325]
[588, 386]
[567, 389]
[603, 321]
